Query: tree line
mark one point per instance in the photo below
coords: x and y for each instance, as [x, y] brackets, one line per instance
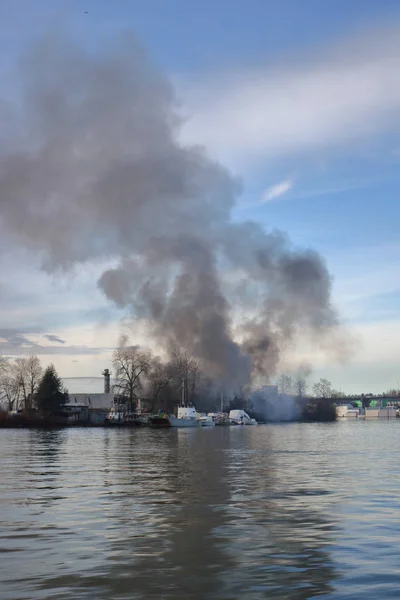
[299, 387]
[139, 374]
[26, 386]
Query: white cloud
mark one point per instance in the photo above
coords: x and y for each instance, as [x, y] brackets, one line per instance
[276, 191]
[342, 96]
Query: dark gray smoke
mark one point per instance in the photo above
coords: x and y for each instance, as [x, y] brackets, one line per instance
[95, 170]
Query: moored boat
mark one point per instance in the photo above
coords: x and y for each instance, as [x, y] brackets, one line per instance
[160, 419]
[240, 417]
[115, 417]
[119, 418]
[186, 417]
[207, 421]
[220, 419]
[341, 411]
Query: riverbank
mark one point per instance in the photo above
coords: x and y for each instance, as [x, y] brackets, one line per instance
[310, 410]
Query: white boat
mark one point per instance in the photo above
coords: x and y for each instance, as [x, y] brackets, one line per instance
[347, 410]
[219, 418]
[116, 416]
[119, 417]
[240, 417]
[186, 417]
[341, 410]
[207, 421]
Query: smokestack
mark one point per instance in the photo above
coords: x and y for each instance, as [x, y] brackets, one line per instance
[106, 374]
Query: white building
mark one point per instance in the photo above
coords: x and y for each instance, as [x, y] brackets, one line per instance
[94, 401]
[91, 405]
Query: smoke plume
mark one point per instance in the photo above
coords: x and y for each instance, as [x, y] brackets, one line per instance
[95, 170]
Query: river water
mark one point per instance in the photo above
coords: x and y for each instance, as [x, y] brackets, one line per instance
[280, 511]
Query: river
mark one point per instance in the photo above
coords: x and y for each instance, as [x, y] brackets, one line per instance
[279, 511]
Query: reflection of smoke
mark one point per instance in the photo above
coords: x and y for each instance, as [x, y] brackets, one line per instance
[211, 514]
[168, 548]
[99, 173]
[217, 513]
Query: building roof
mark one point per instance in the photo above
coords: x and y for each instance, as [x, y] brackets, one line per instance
[92, 400]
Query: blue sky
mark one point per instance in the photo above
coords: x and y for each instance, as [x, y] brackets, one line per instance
[301, 100]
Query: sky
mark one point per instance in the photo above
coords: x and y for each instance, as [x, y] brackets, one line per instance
[301, 101]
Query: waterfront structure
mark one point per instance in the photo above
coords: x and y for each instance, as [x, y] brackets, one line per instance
[91, 407]
[347, 411]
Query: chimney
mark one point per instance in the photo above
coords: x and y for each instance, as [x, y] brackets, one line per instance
[106, 374]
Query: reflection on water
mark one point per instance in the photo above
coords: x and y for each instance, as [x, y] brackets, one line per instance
[292, 511]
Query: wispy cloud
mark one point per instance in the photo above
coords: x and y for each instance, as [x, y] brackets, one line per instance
[347, 94]
[276, 191]
[335, 189]
[54, 338]
[18, 342]
[12, 338]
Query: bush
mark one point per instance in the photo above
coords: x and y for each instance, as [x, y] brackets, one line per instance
[319, 411]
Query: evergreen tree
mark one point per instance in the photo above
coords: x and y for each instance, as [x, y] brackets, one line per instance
[51, 394]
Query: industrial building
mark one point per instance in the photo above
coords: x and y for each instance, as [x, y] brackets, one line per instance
[92, 407]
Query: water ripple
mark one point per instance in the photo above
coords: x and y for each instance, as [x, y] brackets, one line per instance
[288, 511]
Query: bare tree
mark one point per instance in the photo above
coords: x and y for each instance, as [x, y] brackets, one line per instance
[195, 378]
[392, 393]
[131, 365]
[158, 378]
[187, 372]
[323, 388]
[285, 384]
[337, 394]
[3, 372]
[10, 386]
[3, 364]
[300, 387]
[30, 372]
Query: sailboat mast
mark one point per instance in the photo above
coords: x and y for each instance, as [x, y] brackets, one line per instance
[183, 392]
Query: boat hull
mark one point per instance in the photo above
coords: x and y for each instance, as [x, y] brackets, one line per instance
[207, 422]
[115, 423]
[175, 422]
[159, 422]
